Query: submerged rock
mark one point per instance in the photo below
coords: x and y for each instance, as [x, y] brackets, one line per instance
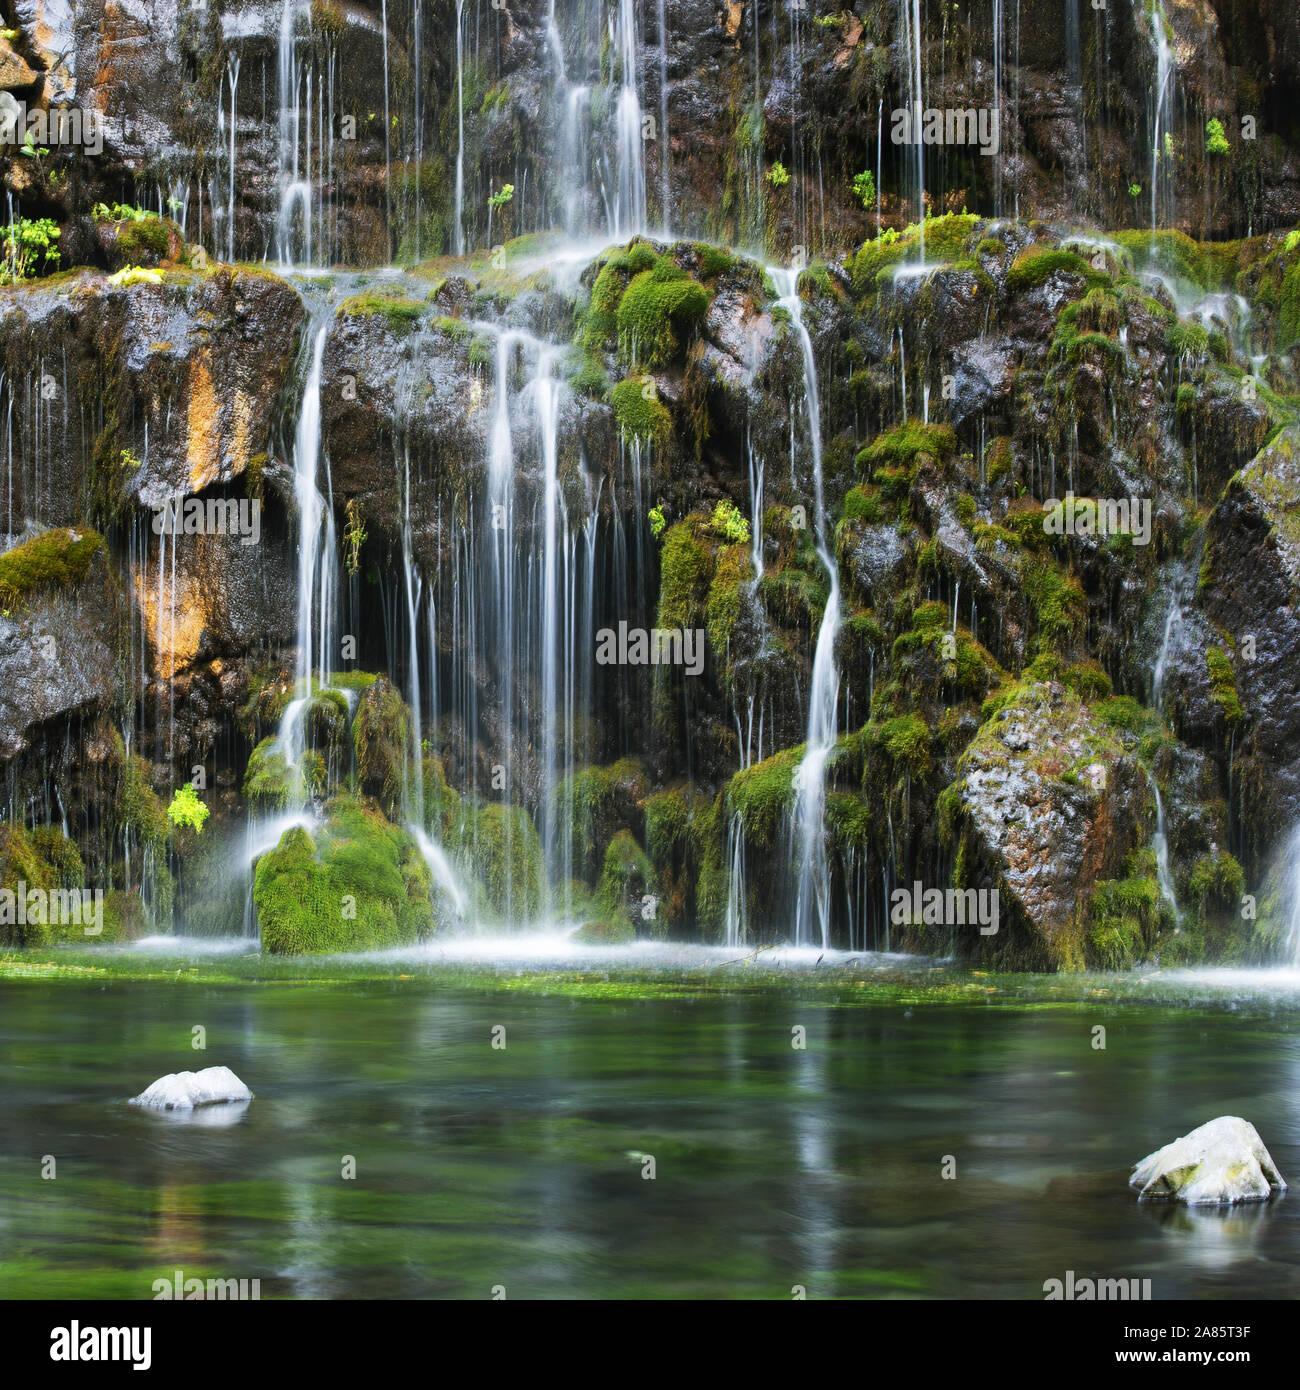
[1223, 1161]
[184, 1090]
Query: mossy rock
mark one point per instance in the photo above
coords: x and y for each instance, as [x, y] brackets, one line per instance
[618, 932]
[591, 805]
[734, 569]
[900, 447]
[360, 884]
[56, 559]
[269, 780]
[763, 796]
[640, 414]
[501, 846]
[381, 735]
[627, 875]
[22, 870]
[685, 572]
[399, 312]
[658, 308]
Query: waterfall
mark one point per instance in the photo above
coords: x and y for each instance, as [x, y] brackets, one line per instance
[910, 15]
[315, 542]
[664, 160]
[1161, 104]
[735, 920]
[458, 214]
[1160, 843]
[627, 216]
[813, 898]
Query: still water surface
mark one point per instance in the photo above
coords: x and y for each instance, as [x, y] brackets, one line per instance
[523, 1166]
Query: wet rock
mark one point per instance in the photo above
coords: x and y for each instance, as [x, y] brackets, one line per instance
[1047, 800]
[1221, 1162]
[1247, 589]
[186, 1090]
[56, 657]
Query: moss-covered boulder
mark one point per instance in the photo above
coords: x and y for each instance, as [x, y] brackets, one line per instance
[59, 621]
[357, 883]
[591, 806]
[627, 876]
[500, 846]
[381, 734]
[1048, 802]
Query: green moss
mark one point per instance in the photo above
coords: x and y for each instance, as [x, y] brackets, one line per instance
[685, 570]
[138, 807]
[763, 795]
[906, 739]
[713, 260]
[626, 875]
[1057, 601]
[361, 885]
[400, 313]
[656, 310]
[591, 804]
[1033, 266]
[640, 413]
[945, 239]
[381, 736]
[505, 855]
[140, 240]
[1087, 680]
[1217, 881]
[899, 447]
[586, 375]
[1125, 920]
[733, 569]
[862, 504]
[54, 559]
[1210, 265]
[1223, 684]
[269, 781]
[21, 870]
[999, 459]
[1124, 712]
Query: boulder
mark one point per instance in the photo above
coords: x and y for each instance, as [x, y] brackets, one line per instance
[1223, 1161]
[1048, 802]
[185, 1090]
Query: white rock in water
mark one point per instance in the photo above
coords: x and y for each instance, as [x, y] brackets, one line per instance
[183, 1090]
[1222, 1161]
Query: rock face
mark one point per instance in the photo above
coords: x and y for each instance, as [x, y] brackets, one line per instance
[1250, 578]
[1049, 801]
[56, 656]
[1221, 1162]
[185, 1090]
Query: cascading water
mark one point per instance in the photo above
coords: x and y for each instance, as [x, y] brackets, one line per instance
[812, 887]
[1160, 841]
[627, 210]
[1154, 20]
[458, 209]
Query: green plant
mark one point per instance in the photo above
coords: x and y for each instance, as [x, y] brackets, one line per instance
[187, 809]
[502, 196]
[354, 534]
[657, 522]
[864, 186]
[1135, 190]
[1216, 142]
[28, 245]
[136, 275]
[728, 522]
[778, 175]
[120, 212]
